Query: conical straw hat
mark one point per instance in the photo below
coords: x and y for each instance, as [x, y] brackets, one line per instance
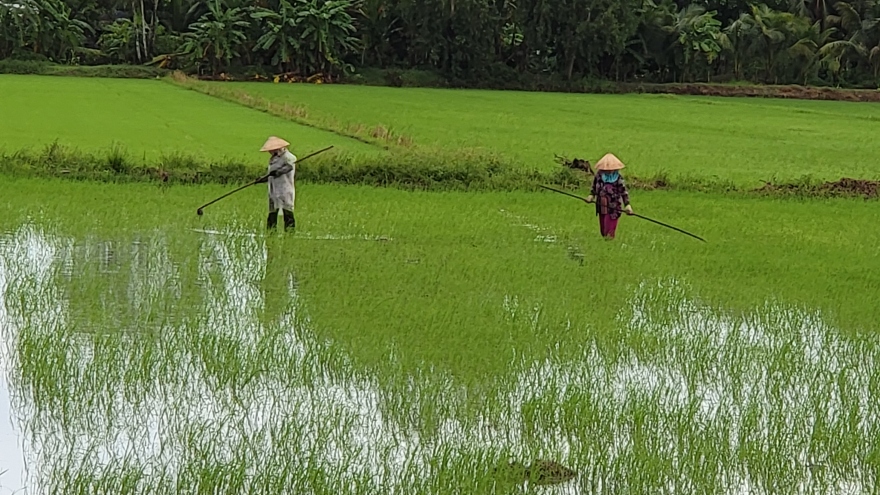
[274, 143]
[609, 162]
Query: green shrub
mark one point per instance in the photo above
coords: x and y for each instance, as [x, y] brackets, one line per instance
[430, 170]
[10, 66]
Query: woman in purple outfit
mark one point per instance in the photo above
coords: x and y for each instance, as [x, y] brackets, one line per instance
[610, 194]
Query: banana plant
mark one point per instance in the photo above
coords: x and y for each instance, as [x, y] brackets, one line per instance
[326, 35]
[736, 40]
[59, 33]
[698, 34]
[281, 34]
[217, 36]
[119, 40]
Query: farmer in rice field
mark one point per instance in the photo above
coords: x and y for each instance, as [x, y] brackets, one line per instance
[609, 193]
[282, 168]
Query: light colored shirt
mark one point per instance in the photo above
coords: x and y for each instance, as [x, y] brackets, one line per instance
[281, 189]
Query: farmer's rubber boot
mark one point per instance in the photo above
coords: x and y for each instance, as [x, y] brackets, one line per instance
[272, 221]
[289, 220]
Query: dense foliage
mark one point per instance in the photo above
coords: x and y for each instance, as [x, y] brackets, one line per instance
[500, 42]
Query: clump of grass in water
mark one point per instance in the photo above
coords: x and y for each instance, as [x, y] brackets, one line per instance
[117, 159]
[539, 472]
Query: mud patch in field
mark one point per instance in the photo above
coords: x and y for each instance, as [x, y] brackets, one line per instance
[845, 187]
[788, 91]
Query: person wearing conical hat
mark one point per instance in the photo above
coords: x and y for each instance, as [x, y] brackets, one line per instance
[610, 194]
[280, 177]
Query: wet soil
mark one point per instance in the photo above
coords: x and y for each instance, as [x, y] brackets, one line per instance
[284, 77]
[575, 164]
[758, 91]
[540, 472]
[789, 91]
[843, 187]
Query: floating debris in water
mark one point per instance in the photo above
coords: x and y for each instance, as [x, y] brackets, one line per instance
[540, 472]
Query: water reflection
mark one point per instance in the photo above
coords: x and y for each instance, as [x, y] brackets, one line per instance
[156, 365]
[113, 374]
[12, 461]
[771, 402]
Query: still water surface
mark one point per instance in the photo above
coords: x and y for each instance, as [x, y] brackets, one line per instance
[138, 366]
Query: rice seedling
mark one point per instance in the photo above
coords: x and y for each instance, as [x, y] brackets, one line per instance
[148, 350]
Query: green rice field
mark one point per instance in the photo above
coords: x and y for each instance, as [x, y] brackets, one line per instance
[409, 342]
[737, 139]
[146, 118]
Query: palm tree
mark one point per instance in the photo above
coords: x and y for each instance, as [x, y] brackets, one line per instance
[736, 38]
[816, 10]
[773, 29]
[862, 43]
[833, 55]
[16, 28]
[806, 50]
[378, 27]
[656, 40]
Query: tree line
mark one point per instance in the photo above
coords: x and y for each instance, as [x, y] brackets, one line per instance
[822, 42]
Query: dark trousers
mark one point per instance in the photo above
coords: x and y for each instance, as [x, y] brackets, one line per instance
[289, 220]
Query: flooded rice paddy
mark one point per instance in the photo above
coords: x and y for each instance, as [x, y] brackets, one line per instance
[132, 367]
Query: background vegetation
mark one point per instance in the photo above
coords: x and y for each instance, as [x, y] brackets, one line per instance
[491, 43]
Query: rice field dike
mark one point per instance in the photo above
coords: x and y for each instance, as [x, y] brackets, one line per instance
[437, 323]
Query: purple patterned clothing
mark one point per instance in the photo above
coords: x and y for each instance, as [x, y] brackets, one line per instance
[610, 197]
